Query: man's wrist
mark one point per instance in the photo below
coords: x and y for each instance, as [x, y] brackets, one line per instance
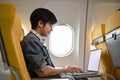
[64, 69]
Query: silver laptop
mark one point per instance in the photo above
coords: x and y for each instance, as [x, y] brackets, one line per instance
[94, 62]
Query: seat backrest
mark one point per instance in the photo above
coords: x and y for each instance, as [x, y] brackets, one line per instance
[98, 39]
[10, 29]
[113, 23]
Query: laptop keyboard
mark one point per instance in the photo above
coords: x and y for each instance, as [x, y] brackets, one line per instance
[84, 73]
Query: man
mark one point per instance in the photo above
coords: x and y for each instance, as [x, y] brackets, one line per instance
[36, 55]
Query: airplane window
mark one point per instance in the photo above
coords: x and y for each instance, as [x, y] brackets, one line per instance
[61, 40]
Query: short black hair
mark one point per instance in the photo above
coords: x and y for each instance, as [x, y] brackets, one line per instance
[42, 14]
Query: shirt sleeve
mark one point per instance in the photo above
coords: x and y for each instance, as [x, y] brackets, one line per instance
[34, 55]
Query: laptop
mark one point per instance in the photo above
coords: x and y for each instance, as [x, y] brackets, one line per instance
[93, 64]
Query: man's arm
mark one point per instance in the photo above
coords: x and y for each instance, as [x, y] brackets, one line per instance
[50, 71]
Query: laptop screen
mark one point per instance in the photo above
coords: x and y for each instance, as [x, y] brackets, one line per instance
[94, 60]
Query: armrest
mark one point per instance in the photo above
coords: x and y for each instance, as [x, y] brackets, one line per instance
[52, 78]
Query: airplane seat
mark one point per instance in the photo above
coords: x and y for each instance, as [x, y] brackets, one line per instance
[98, 40]
[112, 31]
[10, 29]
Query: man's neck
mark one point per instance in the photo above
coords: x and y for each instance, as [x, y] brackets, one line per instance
[42, 39]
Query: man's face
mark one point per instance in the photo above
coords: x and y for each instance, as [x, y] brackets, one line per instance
[46, 29]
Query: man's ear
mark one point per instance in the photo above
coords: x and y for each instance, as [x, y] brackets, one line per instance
[40, 23]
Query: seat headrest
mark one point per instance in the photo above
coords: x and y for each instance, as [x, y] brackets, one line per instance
[113, 22]
[7, 13]
[98, 31]
[9, 19]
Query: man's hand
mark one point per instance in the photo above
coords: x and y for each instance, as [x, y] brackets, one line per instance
[73, 69]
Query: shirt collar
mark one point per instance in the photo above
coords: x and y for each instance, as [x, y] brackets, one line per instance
[42, 39]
